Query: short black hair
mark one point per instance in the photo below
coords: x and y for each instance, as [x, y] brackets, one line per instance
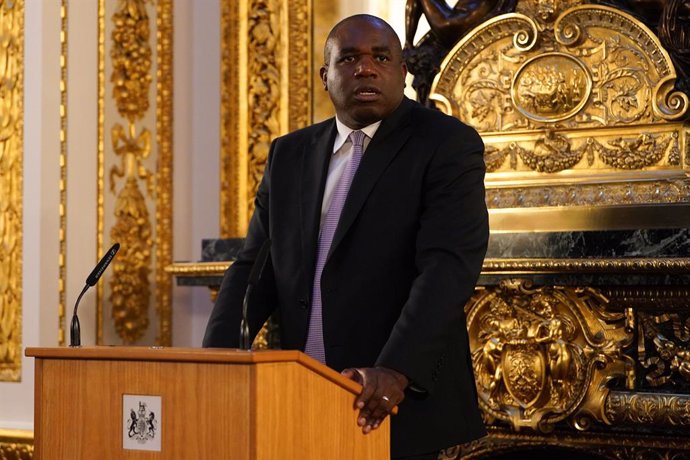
[357, 17]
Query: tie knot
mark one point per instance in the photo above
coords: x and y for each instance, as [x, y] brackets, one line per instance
[357, 138]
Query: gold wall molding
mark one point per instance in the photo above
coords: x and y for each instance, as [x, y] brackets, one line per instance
[619, 265]
[135, 183]
[16, 444]
[643, 190]
[544, 355]
[62, 234]
[164, 182]
[265, 92]
[11, 180]
[491, 266]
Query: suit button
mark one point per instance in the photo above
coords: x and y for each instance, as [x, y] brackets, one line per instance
[303, 304]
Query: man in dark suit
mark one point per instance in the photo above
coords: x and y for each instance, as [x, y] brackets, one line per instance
[378, 230]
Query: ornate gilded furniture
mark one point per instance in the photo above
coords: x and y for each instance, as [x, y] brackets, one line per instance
[581, 323]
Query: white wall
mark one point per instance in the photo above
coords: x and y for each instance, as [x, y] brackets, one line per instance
[40, 223]
[197, 146]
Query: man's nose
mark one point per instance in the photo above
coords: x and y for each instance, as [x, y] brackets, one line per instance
[366, 67]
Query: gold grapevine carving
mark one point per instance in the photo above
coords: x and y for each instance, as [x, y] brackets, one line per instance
[131, 57]
[11, 179]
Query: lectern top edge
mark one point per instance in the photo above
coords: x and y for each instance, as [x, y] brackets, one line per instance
[199, 355]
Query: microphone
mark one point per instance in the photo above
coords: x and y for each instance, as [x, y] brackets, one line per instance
[75, 329]
[254, 277]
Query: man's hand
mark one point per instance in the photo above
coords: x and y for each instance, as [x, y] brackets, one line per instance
[382, 390]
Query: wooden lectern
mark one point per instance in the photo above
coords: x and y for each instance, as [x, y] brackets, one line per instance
[209, 404]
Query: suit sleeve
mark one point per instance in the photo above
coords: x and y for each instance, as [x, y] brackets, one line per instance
[223, 328]
[450, 248]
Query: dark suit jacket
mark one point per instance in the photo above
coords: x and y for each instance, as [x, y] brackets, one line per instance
[404, 260]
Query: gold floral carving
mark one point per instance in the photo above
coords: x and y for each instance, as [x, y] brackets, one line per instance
[11, 180]
[652, 409]
[544, 355]
[554, 152]
[265, 92]
[16, 444]
[131, 57]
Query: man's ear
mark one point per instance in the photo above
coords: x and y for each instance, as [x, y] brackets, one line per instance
[324, 78]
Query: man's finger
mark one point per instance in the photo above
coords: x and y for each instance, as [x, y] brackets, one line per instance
[353, 374]
[368, 389]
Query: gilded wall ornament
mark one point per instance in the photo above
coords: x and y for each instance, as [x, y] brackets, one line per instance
[543, 355]
[671, 410]
[561, 86]
[265, 92]
[663, 349]
[11, 180]
[551, 87]
[131, 55]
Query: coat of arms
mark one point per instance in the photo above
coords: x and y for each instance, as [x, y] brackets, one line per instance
[141, 424]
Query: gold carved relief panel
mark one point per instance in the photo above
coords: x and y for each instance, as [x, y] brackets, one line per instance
[266, 87]
[11, 180]
[570, 94]
[544, 355]
[135, 169]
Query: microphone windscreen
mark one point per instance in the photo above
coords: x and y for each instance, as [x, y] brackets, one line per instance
[102, 265]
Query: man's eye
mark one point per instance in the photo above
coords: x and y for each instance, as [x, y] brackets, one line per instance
[347, 59]
[382, 58]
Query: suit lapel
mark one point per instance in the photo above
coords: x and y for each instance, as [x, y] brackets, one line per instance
[314, 170]
[387, 142]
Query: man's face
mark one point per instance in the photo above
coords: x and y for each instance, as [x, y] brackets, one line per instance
[364, 73]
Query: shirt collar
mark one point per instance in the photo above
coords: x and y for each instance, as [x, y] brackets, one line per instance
[344, 132]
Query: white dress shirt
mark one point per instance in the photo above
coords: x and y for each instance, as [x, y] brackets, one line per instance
[342, 153]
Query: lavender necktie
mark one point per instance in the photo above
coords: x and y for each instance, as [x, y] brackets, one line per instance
[314, 346]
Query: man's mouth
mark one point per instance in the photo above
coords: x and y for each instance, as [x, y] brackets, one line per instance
[366, 94]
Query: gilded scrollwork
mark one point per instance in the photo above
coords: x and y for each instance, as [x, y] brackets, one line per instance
[543, 355]
[585, 68]
[663, 349]
[589, 49]
[653, 409]
[131, 56]
[11, 174]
